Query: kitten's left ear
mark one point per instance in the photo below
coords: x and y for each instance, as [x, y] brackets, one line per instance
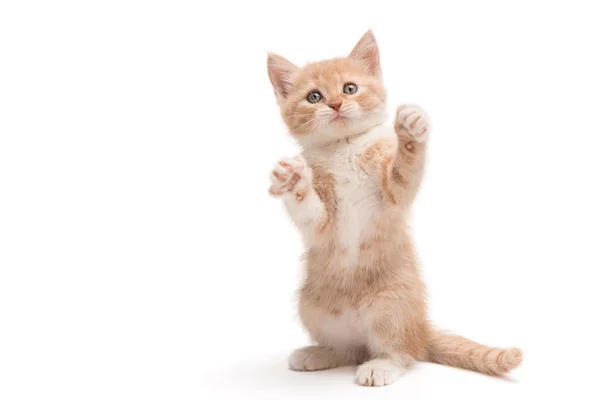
[367, 52]
[281, 73]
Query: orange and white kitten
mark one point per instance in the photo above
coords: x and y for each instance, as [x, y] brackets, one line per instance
[349, 193]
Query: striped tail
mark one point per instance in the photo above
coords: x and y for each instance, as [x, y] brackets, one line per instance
[455, 351]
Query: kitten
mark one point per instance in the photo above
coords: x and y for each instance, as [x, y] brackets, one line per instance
[349, 192]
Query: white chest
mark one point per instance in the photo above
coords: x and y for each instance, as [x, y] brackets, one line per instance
[358, 205]
[358, 194]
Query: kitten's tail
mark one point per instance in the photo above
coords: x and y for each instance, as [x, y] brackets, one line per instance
[455, 351]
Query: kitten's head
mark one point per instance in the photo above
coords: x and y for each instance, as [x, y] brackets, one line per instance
[333, 99]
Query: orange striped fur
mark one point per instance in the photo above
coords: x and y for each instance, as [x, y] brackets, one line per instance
[362, 299]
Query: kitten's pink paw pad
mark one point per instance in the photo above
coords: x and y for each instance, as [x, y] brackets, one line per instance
[289, 175]
[413, 120]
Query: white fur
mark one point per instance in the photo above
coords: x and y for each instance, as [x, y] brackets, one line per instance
[378, 372]
[346, 330]
[304, 213]
[358, 195]
[416, 122]
[312, 358]
[325, 131]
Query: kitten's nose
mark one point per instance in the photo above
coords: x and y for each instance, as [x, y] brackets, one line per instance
[335, 106]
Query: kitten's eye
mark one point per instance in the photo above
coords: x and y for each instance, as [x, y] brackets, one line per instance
[314, 97]
[350, 88]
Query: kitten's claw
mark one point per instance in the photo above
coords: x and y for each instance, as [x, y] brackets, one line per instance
[412, 120]
[290, 175]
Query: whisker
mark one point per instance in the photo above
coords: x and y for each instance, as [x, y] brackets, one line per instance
[296, 115]
[309, 121]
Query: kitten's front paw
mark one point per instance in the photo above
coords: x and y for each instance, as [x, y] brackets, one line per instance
[412, 120]
[290, 175]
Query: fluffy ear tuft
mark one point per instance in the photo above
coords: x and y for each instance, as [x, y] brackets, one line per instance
[281, 73]
[367, 52]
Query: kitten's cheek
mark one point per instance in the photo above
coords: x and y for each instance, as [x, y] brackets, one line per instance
[351, 114]
[354, 111]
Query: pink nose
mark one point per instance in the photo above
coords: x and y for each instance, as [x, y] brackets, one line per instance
[335, 106]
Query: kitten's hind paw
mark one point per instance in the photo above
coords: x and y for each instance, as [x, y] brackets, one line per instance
[378, 372]
[312, 358]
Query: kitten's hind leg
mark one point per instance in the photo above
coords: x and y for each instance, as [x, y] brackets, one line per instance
[396, 336]
[315, 358]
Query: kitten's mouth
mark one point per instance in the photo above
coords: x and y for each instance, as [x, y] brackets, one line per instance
[338, 117]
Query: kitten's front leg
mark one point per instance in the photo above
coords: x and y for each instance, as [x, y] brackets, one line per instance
[292, 179]
[412, 128]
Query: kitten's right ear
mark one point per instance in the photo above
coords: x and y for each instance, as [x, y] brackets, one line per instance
[281, 73]
[367, 52]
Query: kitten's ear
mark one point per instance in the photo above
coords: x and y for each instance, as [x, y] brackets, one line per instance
[281, 73]
[367, 52]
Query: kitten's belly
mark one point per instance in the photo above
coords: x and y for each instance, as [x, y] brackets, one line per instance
[359, 207]
[345, 330]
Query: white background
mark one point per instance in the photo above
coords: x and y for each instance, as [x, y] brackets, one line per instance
[141, 257]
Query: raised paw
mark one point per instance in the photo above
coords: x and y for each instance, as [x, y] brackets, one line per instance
[412, 120]
[312, 358]
[378, 372]
[290, 175]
